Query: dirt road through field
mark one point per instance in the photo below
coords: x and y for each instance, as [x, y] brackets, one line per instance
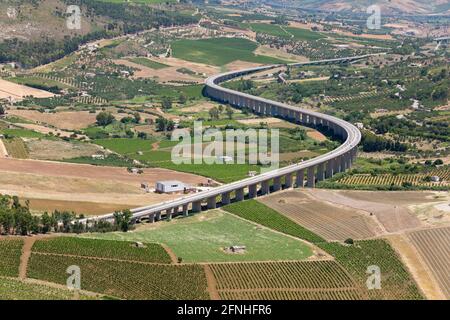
[3, 151]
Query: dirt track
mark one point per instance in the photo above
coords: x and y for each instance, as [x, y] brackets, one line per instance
[3, 151]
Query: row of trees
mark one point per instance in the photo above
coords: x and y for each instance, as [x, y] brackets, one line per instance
[16, 219]
[373, 143]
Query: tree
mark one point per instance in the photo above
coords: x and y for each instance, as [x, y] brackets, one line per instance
[163, 124]
[46, 222]
[2, 110]
[166, 103]
[142, 135]
[438, 162]
[214, 113]
[123, 219]
[137, 117]
[182, 99]
[229, 111]
[104, 118]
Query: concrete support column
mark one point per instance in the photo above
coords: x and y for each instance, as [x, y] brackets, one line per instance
[320, 172]
[298, 118]
[158, 215]
[212, 203]
[185, 210]
[197, 206]
[311, 179]
[265, 187]
[300, 178]
[276, 184]
[337, 165]
[151, 218]
[329, 170]
[343, 163]
[252, 191]
[225, 198]
[240, 194]
[288, 181]
[169, 213]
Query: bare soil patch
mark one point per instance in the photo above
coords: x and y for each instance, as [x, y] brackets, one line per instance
[391, 208]
[316, 135]
[43, 149]
[70, 120]
[18, 92]
[329, 221]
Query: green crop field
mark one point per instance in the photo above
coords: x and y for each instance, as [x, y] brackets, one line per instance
[219, 51]
[10, 252]
[285, 32]
[149, 63]
[121, 250]
[13, 289]
[260, 213]
[16, 148]
[202, 237]
[126, 280]
[284, 280]
[22, 133]
[396, 282]
[126, 146]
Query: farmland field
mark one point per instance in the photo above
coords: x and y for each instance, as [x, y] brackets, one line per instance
[126, 280]
[284, 280]
[202, 238]
[13, 289]
[419, 179]
[149, 63]
[327, 220]
[260, 213]
[219, 51]
[285, 32]
[16, 148]
[433, 245]
[10, 252]
[396, 282]
[120, 250]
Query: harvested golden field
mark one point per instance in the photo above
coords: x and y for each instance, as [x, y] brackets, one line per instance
[327, 220]
[18, 92]
[434, 247]
[391, 208]
[43, 149]
[70, 120]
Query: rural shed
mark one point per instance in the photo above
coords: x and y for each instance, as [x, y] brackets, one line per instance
[170, 186]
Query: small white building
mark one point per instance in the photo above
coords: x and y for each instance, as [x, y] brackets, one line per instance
[170, 186]
[435, 179]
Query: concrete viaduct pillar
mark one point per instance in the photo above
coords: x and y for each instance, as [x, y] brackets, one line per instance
[265, 187]
[197, 206]
[252, 191]
[240, 194]
[158, 215]
[185, 210]
[288, 181]
[169, 213]
[225, 198]
[329, 169]
[300, 178]
[276, 183]
[151, 218]
[212, 203]
[320, 172]
[311, 179]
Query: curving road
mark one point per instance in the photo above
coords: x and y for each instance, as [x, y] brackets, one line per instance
[316, 169]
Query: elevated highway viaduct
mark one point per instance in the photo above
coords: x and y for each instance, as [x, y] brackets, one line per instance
[299, 175]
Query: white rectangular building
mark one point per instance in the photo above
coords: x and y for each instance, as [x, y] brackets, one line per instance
[170, 186]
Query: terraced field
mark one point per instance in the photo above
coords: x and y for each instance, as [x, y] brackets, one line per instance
[326, 220]
[284, 280]
[16, 148]
[107, 249]
[10, 252]
[433, 245]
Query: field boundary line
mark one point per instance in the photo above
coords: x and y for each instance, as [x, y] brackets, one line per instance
[211, 283]
[290, 290]
[25, 256]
